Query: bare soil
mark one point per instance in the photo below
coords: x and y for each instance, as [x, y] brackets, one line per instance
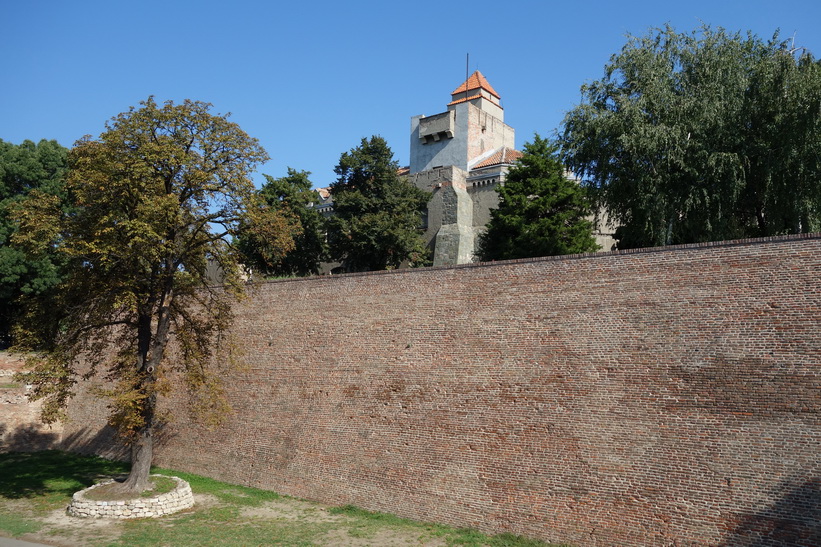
[113, 491]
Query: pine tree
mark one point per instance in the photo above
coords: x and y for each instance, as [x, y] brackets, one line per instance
[377, 214]
[541, 211]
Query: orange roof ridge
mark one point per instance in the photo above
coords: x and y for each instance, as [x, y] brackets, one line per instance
[476, 81]
[502, 156]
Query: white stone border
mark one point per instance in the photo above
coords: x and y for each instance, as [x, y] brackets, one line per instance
[164, 504]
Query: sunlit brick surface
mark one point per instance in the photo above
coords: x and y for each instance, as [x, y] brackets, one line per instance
[662, 397]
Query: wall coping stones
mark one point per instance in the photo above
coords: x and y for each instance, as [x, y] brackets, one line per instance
[164, 504]
[597, 255]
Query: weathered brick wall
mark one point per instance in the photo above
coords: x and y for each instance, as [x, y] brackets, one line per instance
[662, 397]
[20, 426]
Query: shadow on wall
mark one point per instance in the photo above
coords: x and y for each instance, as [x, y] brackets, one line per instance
[29, 438]
[795, 519]
[98, 442]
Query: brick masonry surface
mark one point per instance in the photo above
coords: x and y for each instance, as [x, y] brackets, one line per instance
[660, 397]
[20, 428]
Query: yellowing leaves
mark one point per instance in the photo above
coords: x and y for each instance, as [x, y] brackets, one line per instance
[160, 194]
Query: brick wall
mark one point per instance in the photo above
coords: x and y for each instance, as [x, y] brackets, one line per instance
[20, 426]
[661, 397]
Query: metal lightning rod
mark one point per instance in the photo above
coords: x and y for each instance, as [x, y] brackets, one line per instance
[467, 73]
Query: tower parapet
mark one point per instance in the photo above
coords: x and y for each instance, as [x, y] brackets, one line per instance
[472, 125]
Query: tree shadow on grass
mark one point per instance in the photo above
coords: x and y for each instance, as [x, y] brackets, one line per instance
[32, 474]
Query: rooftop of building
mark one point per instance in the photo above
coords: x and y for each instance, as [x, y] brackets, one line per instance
[475, 81]
[501, 156]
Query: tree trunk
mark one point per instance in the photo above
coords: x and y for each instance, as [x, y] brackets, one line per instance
[142, 453]
[151, 349]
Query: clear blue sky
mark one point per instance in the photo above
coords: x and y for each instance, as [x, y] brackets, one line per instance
[310, 79]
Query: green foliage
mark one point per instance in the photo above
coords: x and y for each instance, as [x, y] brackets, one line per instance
[293, 196]
[158, 196]
[25, 169]
[377, 214]
[541, 212]
[702, 136]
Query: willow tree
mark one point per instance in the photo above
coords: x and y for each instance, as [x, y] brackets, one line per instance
[156, 199]
[701, 136]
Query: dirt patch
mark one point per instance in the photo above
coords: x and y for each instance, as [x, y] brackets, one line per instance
[290, 509]
[112, 491]
[382, 538]
[203, 501]
[60, 529]
[10, 362]
[346, 533]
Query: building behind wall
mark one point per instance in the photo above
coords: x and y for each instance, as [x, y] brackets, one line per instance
[461, 156]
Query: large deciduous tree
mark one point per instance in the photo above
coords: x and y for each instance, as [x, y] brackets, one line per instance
[26, 168]
[541, 211]
[702, 136]
[158, 196]
[293, 196]
[377, 217]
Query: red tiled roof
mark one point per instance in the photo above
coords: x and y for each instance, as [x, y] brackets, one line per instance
[504, 155]
[476, 81]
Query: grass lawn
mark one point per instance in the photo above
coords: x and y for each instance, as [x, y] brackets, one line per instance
[35, 489]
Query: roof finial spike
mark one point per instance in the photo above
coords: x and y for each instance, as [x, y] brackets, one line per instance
[467, 72]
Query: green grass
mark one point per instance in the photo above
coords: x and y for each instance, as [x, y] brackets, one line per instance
[212, 527]
[33, 485]
[452, 536]
[10, 385]
[16, 525]
[226, 493]
[48, 479]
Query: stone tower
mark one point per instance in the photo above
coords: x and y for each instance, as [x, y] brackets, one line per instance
[460, 155]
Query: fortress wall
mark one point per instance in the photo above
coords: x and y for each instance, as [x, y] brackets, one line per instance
[667, 396]
[20, 426]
